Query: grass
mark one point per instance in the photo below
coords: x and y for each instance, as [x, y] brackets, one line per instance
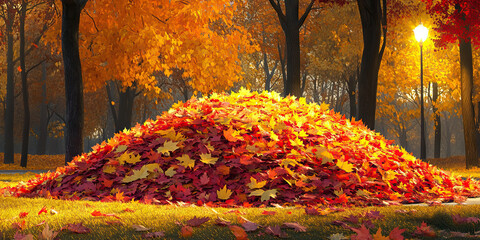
[169, 218]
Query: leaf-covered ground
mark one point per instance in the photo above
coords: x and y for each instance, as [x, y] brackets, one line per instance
[250, 149]
[35, 162]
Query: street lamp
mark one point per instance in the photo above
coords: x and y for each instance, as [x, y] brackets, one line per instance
[421, 33]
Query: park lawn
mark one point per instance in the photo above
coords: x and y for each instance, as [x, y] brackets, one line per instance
[170, 218]
[167, 218]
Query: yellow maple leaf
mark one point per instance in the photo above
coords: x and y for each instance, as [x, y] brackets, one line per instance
[170, 172]
[109, 169]
[128, 158]
[224, 193]
[207, 158]
[257, 192]
[137, 174]
[168, 146]
[288, 161]
[186, 161]
[121, 148]
[142, 173]
[272, 193]
[345, 166]
[254, 184]
[379, 236]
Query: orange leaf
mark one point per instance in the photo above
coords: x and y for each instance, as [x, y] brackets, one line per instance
[239, 232]
[19, 69]
[186, 231]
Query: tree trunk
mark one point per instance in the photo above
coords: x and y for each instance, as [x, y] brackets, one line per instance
[23, 73]
[10, 98]
[73, 78]
[352, 88]
[437, 123]
[43, 129]
[282, 67]
[466, 82]
[371, 17]
[291, 24]
[122, 117]
[477, 126]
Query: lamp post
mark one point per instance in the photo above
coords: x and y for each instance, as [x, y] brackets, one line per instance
[421, 33]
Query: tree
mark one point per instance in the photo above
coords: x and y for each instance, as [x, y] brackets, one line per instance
[291, 24]
[8, 15]
[373, 14]
[457, 20]
[73, 78]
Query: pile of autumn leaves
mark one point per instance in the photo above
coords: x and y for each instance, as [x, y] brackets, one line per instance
[250, 149]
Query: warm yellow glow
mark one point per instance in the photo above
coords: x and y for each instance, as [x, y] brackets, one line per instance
[421, 33]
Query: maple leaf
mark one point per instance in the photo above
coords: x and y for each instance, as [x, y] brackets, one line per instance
[186, 231]
[128, 158]
[170, 172]
[207, 158]
[140, 228]
[396, 234]
[238, 232]
[19, 225]
[424, 230]
[345, 166]
[195, 222]
[250, 226]
[48, 234]
[224, 193]
[276, 231]
[378, 235]
[76, 228]
[362, 233]
[296, 226]
[204, 179]
[254, 184]
[266, 195]
[374, 215]
[229, 135]
[142, 173]
[168, 146]
[186, 161]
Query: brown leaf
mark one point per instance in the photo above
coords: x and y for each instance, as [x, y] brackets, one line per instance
[20, 236]
[48, 234]
[250, 226]
[276, 231]
[222, 222]
[296, 226]
[76, 228]
[195, 222]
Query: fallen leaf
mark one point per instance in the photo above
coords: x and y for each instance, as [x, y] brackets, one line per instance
[239, 232]
[195, 222]
[250, 226]
[276, 231]
[128, 210]
[222, 222]
[296, 226]
[19, 225]
[396, 234]
[43, 210]
[378, 235]
[140, 228]
[224, 193]
[269, 212]
[424, 230]
[76, 228]
[48, 234]
[186, 231]
[362, 233]
[207, 158]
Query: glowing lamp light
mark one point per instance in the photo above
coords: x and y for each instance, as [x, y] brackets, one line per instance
[421, 33]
